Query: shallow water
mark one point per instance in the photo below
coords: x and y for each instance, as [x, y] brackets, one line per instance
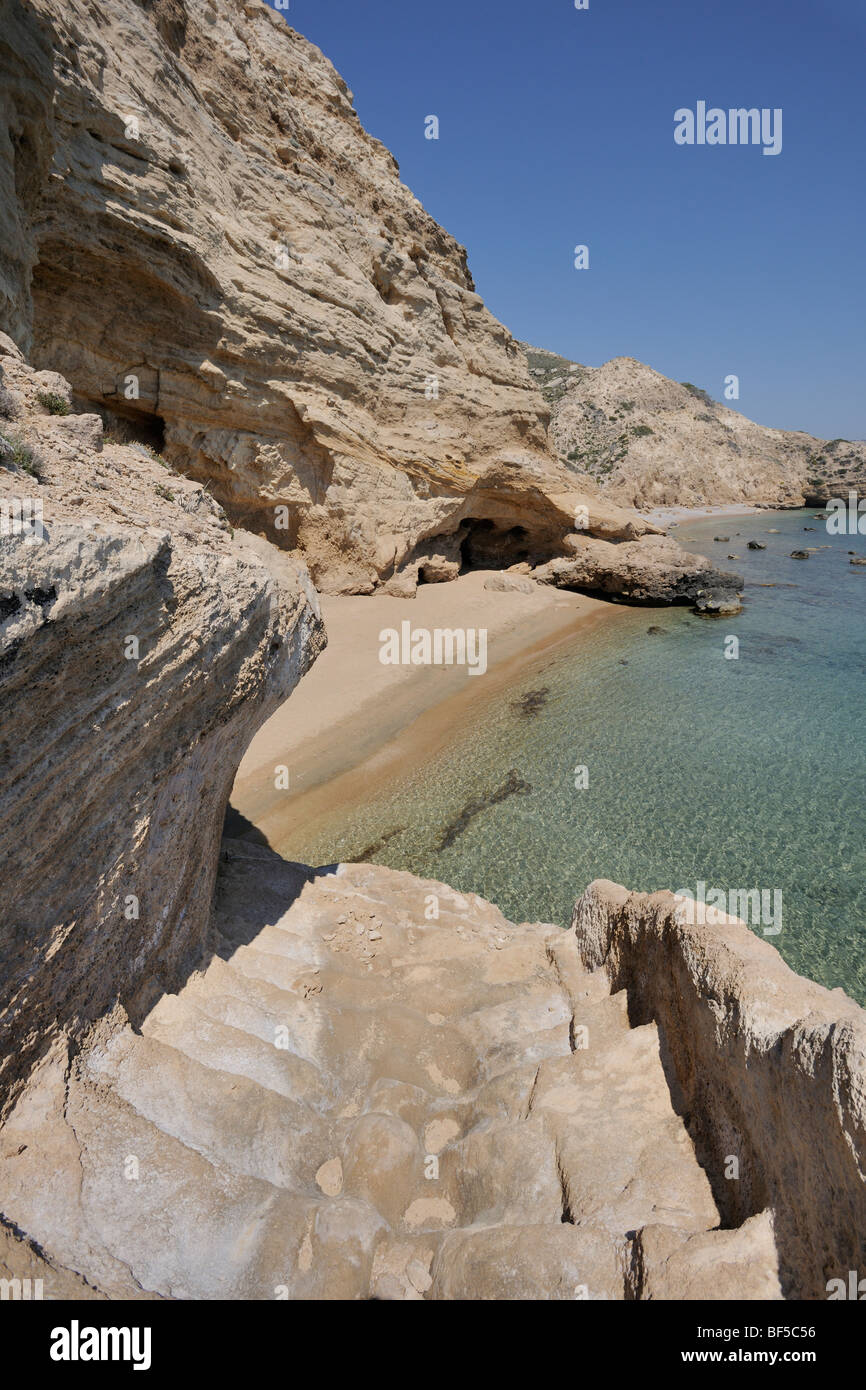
[747, 773]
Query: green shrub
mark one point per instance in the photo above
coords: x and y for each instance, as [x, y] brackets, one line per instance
[697, 392]
[53, 402]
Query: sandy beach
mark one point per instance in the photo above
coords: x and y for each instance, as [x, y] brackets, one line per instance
[352, 718]
[669, 516]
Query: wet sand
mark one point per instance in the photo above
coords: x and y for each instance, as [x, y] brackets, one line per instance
[352, 720]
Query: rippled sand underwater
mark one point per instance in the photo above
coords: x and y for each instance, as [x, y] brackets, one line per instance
[744, 774]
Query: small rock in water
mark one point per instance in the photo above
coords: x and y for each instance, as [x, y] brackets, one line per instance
[755, 545]
[799, 554]
[721, 605]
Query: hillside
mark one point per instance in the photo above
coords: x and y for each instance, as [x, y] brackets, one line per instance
[651, 442]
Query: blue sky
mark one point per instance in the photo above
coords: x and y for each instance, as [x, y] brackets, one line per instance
[556, 128]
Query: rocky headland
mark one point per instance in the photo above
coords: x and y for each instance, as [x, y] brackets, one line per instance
[224, 1075]
[650, 442]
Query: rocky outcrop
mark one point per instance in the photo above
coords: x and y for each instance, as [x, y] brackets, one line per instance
[651, 442]
[377, 1088]
[140, 648]
[654, 570]
[767, 1069]
[227, 267]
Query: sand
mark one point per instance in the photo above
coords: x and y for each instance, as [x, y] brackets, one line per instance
[669, 516]
[352, 718]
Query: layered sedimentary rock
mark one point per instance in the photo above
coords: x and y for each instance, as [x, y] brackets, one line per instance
[654, 570]
[652, 442]
[767, 1068]
[228, 267]
[381, 1088]
[140, 648]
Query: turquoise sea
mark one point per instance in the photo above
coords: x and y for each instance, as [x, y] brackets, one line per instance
[746, 773]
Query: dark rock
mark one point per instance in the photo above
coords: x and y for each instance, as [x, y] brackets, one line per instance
[717, 605]
[652, 570]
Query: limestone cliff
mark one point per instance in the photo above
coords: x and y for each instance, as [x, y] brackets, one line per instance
[651, 442]
[355, 1099]
[140, 648]
[200, 236]
[767, 1068]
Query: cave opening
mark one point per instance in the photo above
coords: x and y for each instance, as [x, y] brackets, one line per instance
[491, 547]
[126, 425]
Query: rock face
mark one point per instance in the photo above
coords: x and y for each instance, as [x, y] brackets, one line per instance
[360, 1098]
[651, 442]
[228, 268]
[769, 1068]
[140, 648]
[654, 570]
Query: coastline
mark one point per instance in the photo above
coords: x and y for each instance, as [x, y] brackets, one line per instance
[672, 516]
[353, 719]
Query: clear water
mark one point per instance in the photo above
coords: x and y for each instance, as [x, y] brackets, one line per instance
[747, 773]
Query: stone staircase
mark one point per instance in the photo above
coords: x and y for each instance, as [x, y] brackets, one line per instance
[358, 1098]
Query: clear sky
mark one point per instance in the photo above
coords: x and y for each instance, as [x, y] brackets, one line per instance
[556, 129]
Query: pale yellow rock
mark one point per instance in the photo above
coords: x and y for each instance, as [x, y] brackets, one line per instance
[557, 1173]
[330, 1177]
[227, 265]
[769, 1067]
[649, 442]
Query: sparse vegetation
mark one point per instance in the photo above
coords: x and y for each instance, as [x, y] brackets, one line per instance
[162, 491]
[14, 453]
[53, 402]
[639, 431]
[697, 392]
